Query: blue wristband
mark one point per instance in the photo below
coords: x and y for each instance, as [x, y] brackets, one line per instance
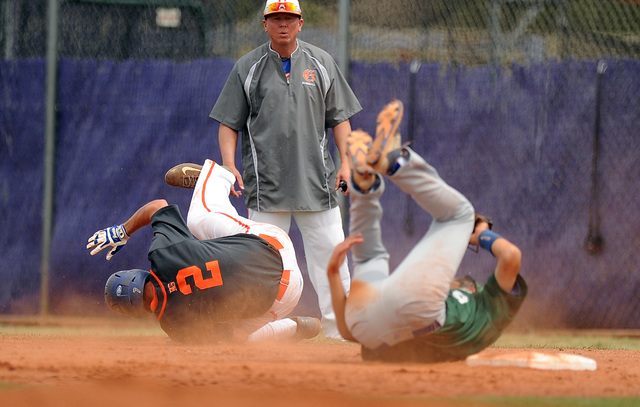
[486, 239]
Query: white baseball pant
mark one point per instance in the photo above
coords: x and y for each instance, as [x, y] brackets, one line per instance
[321, 231]
[389, 308]
[211, 215]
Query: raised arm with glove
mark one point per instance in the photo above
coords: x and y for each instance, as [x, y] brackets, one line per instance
[117, 236]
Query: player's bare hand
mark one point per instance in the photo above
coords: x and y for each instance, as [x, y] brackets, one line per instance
[113, 237]
[340, 252]
[480, 227]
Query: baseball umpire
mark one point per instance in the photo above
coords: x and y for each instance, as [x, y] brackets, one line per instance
[419, 312]
[216, 277]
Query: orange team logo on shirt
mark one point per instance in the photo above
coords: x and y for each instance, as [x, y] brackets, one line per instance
[309, 75]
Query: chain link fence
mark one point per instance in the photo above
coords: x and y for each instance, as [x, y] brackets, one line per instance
[468, 32]
[478, 32]
[538, 42]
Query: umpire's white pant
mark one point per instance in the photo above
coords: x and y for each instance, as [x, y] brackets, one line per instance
[321, 231]
[211, 215]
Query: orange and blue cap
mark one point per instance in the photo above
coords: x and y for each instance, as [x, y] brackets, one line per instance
[282, 6]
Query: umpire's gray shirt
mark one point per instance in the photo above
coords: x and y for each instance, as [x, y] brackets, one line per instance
[287, 165]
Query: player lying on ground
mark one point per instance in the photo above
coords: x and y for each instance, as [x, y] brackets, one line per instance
[419, 312]
[222, 277]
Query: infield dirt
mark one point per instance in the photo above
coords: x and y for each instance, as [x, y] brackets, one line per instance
[97, 370]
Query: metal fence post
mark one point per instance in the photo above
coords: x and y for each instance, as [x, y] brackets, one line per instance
[49, 151]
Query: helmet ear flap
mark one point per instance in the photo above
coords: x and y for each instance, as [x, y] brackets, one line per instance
[124, 292]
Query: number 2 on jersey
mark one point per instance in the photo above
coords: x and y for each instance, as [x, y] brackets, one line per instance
[202, 283]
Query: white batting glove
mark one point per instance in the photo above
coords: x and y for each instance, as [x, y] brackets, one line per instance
[114, 237]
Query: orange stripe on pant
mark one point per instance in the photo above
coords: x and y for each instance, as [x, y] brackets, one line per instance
[272, 241]
[284, 281]
[284, 284]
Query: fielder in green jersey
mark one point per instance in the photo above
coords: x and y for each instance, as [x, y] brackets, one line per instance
[420, 311]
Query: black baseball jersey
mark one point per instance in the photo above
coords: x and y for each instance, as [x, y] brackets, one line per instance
[474, 322]
[203, 284]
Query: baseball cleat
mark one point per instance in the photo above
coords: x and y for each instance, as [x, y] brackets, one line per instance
[387, 136]
[308, 327]
[358, 144]
[183, 175]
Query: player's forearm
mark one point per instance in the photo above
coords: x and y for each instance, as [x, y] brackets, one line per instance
[338, 295]
[142, 217]
[339, 301]
[509, 260]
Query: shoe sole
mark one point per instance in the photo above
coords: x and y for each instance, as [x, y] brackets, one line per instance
[388, 122]
[183, 175]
